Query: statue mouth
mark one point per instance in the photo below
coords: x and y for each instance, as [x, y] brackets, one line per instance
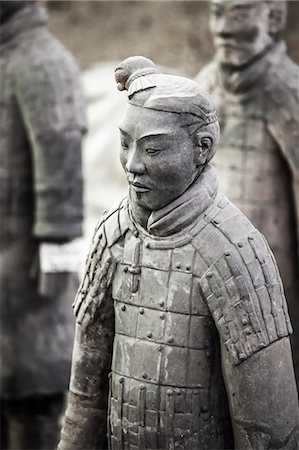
[139, 188]
[228, 44]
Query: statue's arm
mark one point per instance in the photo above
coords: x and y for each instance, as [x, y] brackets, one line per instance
[50, 100]
[283, 124]
[287, 137]
[263, 398]
[246, 299]
[86, 415]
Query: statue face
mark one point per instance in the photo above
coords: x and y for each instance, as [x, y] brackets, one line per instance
[157, 155]
[240, 29]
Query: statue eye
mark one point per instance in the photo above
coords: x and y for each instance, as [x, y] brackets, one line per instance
[241, 16]
[216, 12]
[152, 151]
[124, 145]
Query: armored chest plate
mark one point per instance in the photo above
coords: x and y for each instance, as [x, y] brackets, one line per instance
[165, 351]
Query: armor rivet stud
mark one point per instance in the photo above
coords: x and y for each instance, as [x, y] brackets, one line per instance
[126, 269]
[208, 354]
[148, 245]
[121, 380]
[178, 265]
[161, 303]
[144, 376]
[244, 321]
[242, 356]
[248, 331]
[141, 310]
[162, 316]
[240, 245]
[169, 392]
[159, 348]
[209, 274]
[142, 386]
[149, 334]
[204, 408]
[170, 340]
[109, 260]
[136, 234]
[227, 253]
[188, 267]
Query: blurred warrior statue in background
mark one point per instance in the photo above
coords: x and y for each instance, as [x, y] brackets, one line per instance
[41, 129]
[255, 86]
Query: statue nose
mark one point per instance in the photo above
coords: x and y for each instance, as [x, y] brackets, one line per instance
[224, 28]
[134, 163]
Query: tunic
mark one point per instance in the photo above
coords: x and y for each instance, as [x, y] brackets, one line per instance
[41, 127]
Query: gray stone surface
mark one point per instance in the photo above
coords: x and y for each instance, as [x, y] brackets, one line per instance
[182, 324]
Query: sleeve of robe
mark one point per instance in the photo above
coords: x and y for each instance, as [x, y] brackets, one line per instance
[86, 415]
[246, 299]
[283, 120]
[51, 103]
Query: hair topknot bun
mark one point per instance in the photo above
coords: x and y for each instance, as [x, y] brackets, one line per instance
[131, 68]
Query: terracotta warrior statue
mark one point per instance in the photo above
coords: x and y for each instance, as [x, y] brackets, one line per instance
[182, 324]
[41, 128]
[255, 87]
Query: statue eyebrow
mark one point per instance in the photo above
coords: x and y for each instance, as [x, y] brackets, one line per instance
[123, 131]
[243, 6]
[237, 6]
[152, 135]
[146, 136]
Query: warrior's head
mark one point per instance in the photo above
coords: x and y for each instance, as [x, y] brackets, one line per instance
[168, 134]
[245, 29]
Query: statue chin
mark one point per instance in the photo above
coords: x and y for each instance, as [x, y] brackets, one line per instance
[233, 57]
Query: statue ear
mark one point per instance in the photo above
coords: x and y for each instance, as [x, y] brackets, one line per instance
[277, 17]
[204, 144]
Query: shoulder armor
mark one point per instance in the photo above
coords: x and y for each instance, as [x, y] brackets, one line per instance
[100, 264]
[244, 292]
[116, 222]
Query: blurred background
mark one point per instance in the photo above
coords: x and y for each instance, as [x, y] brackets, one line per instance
[172, 33]
[175, 34]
